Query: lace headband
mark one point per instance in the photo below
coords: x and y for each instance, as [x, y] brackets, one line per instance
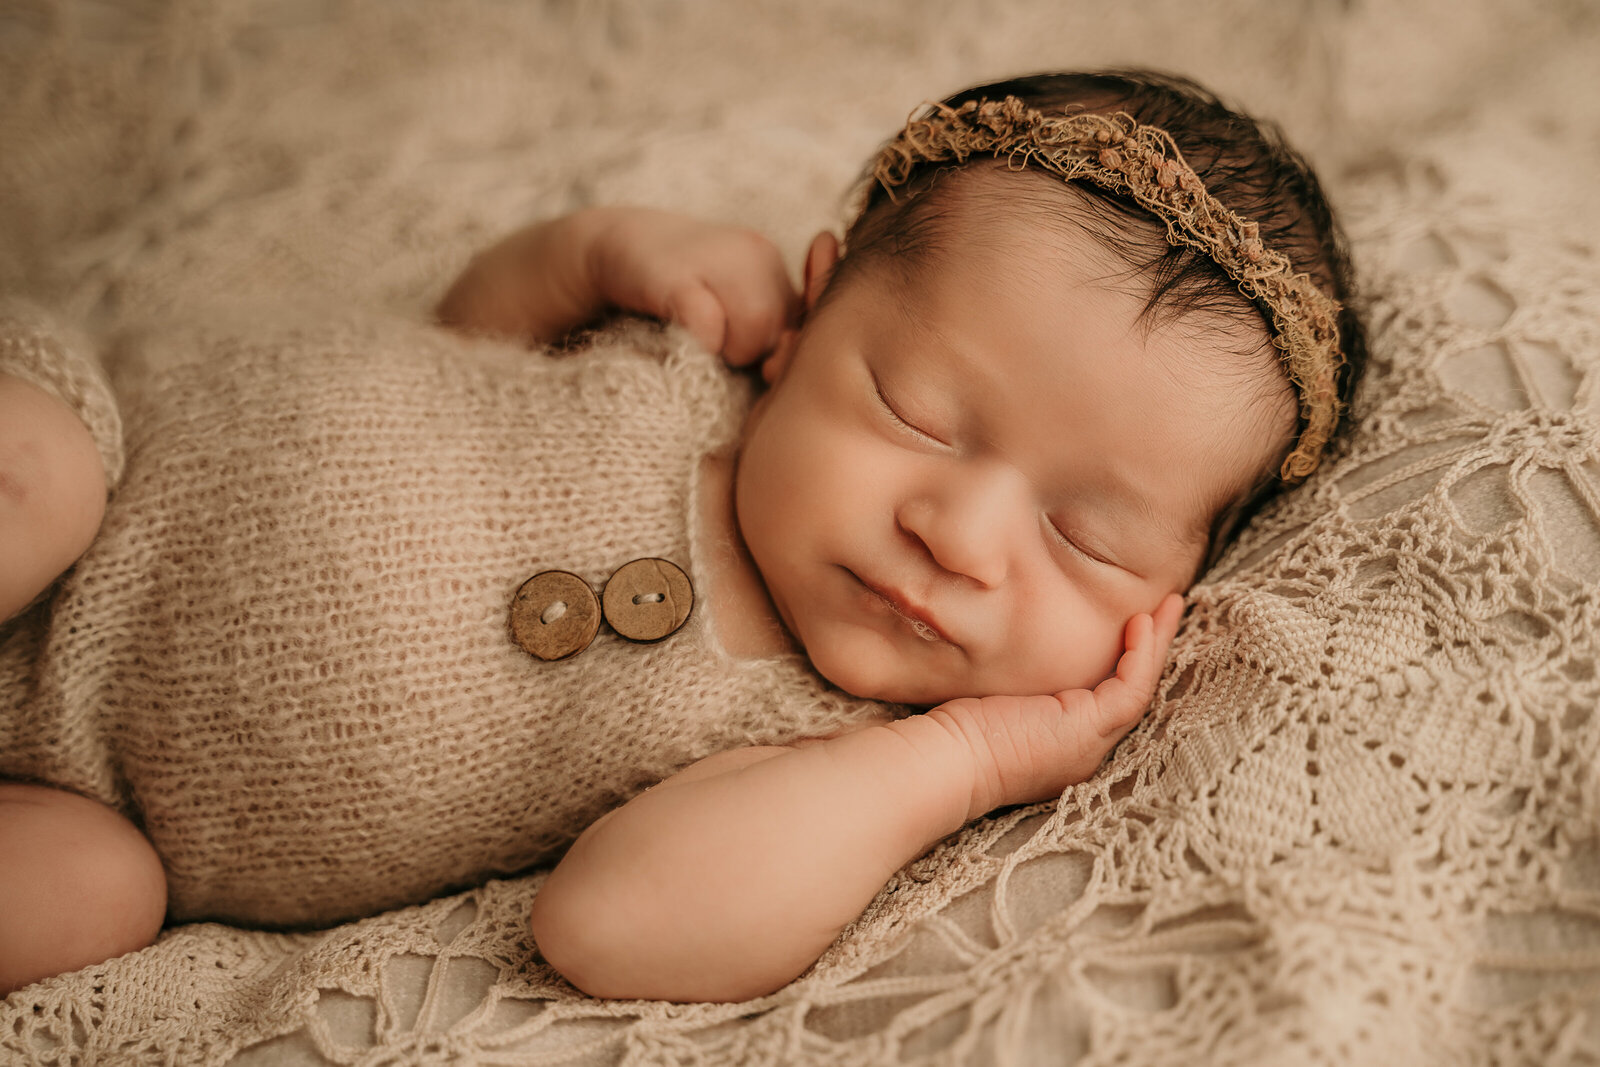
[1119, 154]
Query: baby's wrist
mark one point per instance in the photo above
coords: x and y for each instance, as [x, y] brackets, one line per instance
[570, 256]
[606, 243]
[586, 237]
[960, 736]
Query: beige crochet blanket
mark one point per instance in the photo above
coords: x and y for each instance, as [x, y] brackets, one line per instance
[1362, 822]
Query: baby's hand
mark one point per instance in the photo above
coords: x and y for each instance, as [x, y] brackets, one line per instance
[1028, 749]
[727, 286]
[730, 878]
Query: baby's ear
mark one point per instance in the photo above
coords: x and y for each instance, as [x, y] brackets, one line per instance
[777, 362]
[820, 260]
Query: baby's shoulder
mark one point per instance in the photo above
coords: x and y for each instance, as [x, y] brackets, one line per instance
[320, 386]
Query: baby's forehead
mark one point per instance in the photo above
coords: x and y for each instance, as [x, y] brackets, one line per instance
[1034, 217]
[1223, 353]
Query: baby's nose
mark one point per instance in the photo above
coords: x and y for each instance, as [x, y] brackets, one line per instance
[967, 524]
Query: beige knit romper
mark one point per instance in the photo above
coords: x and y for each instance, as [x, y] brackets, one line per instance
[287, 652]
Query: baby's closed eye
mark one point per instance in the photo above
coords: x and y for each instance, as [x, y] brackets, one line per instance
[901, 413]
[1079, 542]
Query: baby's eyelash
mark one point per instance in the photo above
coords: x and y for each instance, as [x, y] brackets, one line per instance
[1074, 546]
[894, 412]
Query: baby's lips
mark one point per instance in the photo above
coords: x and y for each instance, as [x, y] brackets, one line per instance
[919, 618]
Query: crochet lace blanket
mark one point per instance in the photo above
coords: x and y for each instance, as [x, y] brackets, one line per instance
[1361, 823]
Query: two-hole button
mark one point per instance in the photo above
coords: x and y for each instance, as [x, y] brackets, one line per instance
[555, 614]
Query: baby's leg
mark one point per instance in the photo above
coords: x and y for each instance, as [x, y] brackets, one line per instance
[78, 885]
[52, 490]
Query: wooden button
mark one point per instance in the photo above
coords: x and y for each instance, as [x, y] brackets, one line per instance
[554, 615]
[647, 599]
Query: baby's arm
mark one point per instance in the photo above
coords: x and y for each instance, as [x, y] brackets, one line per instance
[727, 286]
[52, 491]
[728, 880]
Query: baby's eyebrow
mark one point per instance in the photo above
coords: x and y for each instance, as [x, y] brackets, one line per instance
[1141, 508]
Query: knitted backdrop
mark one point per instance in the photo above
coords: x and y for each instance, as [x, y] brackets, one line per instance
[1360, 823]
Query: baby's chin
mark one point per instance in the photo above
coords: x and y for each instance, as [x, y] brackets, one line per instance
[877, 679]
[913, 684]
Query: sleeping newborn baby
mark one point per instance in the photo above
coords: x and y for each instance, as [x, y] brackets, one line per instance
[360, 622]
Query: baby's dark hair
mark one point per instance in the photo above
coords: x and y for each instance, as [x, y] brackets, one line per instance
[1243, 162]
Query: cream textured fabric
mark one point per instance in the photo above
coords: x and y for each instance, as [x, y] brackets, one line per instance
[1360, 825]
[288, 655]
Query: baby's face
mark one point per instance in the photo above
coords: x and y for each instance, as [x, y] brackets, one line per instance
[966, 484]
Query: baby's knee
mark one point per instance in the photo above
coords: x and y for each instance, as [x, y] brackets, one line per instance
[80, 884]
[52, 490]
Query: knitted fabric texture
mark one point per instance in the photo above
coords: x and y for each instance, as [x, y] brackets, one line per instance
[287, 654]
[1119, 154]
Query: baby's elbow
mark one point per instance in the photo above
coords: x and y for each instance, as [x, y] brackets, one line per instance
[630, 946]
[52, 490]
[579, 942]
[589, 938]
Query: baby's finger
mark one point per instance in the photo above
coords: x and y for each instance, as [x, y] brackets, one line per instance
[759, 306]
[697, 309]
[1145, 640]
[1122, 698]
[1167, 616]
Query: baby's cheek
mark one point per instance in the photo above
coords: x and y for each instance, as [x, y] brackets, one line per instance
[1052, 656]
